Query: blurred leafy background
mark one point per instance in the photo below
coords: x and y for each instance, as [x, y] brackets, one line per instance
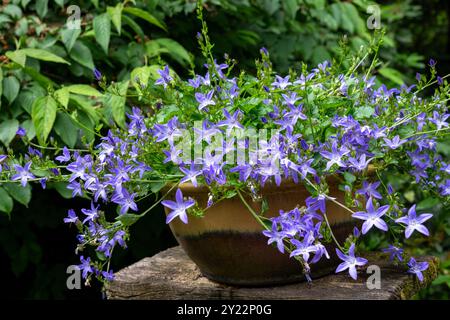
[46, 65]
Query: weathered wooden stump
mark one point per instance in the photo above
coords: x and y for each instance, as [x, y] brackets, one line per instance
[172, 275]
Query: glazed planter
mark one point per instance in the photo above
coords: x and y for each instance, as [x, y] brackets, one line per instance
[228, 246]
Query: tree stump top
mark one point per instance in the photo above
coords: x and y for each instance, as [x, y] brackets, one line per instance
[172, 275]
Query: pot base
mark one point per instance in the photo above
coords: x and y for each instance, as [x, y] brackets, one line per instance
[245, 259]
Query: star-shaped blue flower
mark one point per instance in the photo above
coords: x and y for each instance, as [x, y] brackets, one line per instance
[178, 207]
[414, 222]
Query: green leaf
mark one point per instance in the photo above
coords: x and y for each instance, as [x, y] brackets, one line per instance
[175, 50]
[29, 128]
[60, 3]
[128, 219]
[346, 21]
[66, 129]
[351, 13]
[61, 188]
[1, 86]
[350, 178]
[157, 186]
[27, 97]
[442, 279]
[102, 30]
[392, 74]
[84, 90]
[133, 25]
[43, 55]
[82, 55]
[116, 16]
[44, 114]
[69, 36]
[17, 56]
[41, 8]
[116, 102]
[364, 112]
[13, 11]
[19, 193]
[8, 129]
[428, 203]
[142, 74]
[290, 8]
[62, 96]
[85, 105]
[11, 88]
[6, 202]
[38, 77]
[146, 16]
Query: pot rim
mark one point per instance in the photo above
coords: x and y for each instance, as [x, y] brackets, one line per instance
[270, 186]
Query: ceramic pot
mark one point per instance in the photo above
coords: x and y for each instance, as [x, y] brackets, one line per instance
[228, 246]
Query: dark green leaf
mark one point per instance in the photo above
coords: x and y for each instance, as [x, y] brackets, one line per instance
[11, 88]
[175, 50]
[392, 74]
[128, 219]
[61, 188]
[42, 8]
[427, 204]
[6, 202]
[19, 193]
[69, 36]
[29, 128]
[66, 129]
[8, 129]
[81, 54]
[146, 16]
[157, 186]
[102, 30]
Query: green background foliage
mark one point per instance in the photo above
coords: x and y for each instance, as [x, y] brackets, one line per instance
[47, 87]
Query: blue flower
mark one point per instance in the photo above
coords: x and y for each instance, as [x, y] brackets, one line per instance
[165, 77]
[335, 156]
[21, 132]
[394, 143]
[370, 190]
[2, 159]
[85, 267]
[276, 236]
[416, 268]
[97, 74]
[372, 217]
[395, 252]
[350, 261]
[71, 217]
[205, 100]
[65, 156]
[231, 121]
[178, 207]
[109, 276]
[23, 174]
[281, 83]
[415, 223]
[190, 174]
[303, 248]
[359, 164]
[91, 214]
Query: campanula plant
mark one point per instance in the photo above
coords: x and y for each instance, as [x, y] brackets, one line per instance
[335, 119]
